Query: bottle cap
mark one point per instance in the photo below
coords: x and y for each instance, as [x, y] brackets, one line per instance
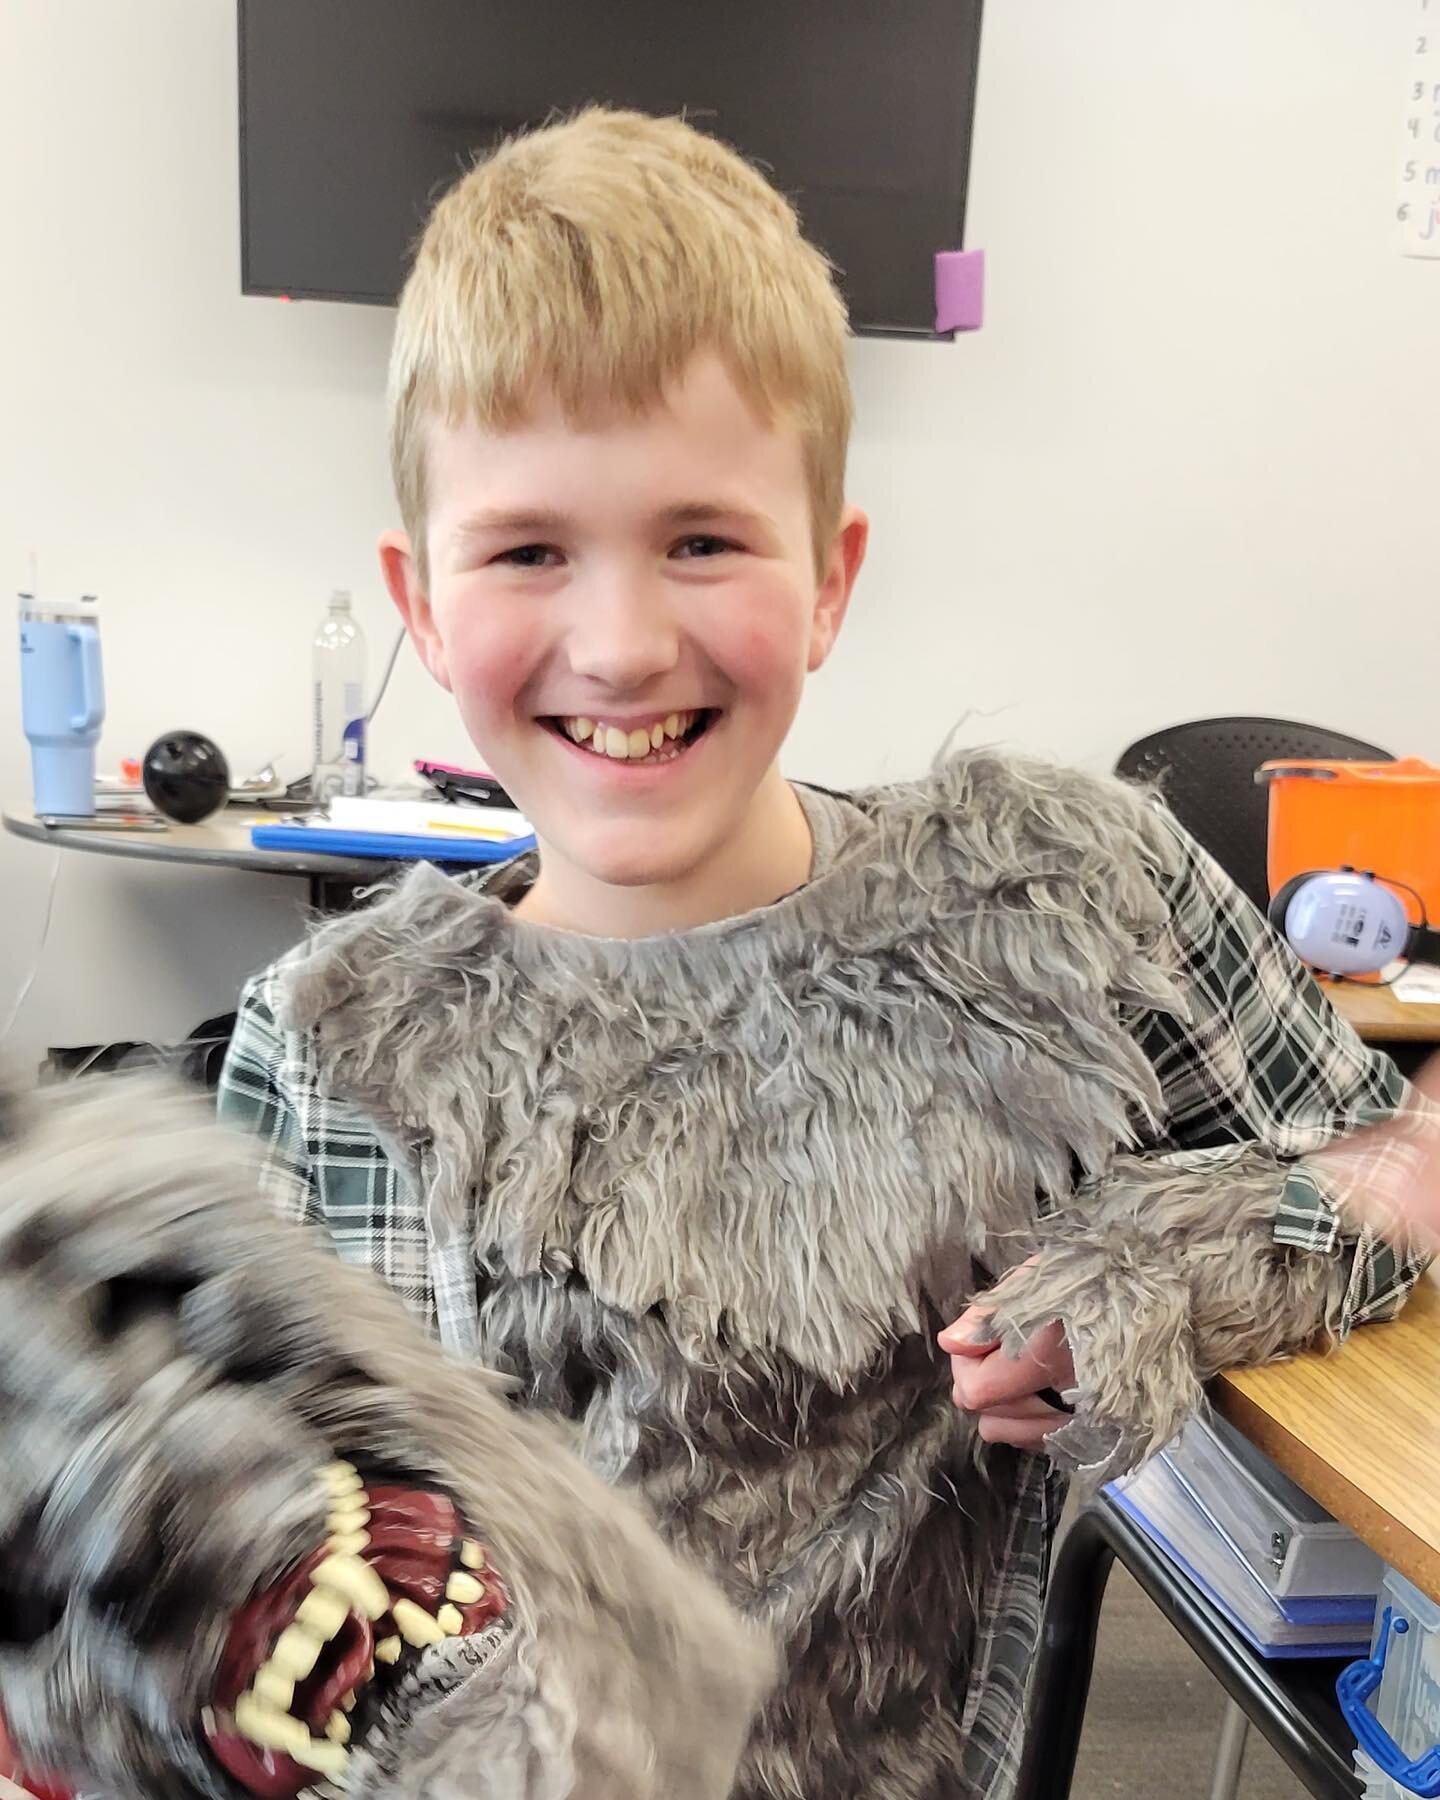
[340, 600]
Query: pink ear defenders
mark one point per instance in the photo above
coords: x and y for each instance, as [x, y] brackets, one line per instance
[1348, 922]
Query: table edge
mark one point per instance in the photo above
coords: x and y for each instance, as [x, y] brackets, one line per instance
[143, 847]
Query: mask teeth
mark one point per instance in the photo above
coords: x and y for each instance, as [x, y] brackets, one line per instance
[342, 1583]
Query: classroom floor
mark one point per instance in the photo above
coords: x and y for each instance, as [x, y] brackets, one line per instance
[1154, 1715]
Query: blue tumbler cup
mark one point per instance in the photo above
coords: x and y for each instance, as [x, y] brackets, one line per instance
[62, 701]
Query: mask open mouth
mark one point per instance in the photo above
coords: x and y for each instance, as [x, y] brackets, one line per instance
[309, 1659]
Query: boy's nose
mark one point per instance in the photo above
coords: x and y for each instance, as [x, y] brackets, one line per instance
[624, 635]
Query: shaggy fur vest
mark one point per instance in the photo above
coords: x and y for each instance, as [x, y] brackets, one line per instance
[715, 1193]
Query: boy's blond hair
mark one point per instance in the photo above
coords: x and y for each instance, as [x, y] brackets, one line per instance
[597, 256]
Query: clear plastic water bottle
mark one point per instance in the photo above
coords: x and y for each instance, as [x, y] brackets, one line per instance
[338, 698]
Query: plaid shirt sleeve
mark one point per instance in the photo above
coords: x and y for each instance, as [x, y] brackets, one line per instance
[1263, 1058]
[251, 1096]
[323, 1163]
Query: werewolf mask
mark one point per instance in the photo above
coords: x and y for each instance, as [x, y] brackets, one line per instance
[258, 1535]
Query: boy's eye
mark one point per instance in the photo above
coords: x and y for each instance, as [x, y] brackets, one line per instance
[702, 545]
[528, 556]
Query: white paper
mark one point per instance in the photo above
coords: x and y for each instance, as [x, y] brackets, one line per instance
[1419, 985]
[1418, 207]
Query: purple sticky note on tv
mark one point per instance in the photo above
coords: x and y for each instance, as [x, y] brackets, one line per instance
[959, 290]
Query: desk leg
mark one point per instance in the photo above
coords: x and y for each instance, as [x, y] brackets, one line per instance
[1229, 1754]
[1060, 1684]
[1066, 1653]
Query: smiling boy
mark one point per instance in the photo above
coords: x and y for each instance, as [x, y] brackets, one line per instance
[705, 1120]
[594, 588]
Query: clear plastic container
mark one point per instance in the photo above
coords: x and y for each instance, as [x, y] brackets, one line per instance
[1166, 1510]
[1286, 1539]
[1405, 1703]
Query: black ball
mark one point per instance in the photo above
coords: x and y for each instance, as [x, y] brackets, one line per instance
[186, 776]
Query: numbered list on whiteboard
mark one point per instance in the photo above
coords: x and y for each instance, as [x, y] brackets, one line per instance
[1419, 208]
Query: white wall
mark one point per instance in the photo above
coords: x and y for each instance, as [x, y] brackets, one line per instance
[1187, 465]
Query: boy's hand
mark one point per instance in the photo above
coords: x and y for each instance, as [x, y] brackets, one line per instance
[1390, 1174]
[1005, 1391]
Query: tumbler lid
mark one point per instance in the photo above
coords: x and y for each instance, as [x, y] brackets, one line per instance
[35, 606]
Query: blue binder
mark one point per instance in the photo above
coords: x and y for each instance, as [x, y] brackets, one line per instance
[388, 846]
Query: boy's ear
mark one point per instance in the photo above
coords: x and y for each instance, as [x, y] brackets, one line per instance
[832, 599]
[402, 578]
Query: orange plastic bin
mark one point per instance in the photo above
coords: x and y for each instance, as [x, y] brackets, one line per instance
[1380, 816]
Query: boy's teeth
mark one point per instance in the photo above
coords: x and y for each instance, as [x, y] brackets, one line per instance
[627, 745]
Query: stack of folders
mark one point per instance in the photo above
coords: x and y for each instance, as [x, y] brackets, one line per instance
[1290, 1578]
[401, 828]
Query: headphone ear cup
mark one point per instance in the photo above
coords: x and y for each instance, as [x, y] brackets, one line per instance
[1344, 921]
[1283, 895]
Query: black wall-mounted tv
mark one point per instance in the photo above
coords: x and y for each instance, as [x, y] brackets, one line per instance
[356, 114]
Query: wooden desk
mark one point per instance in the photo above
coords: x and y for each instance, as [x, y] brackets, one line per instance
[1360, 1431]
[1379, 1017]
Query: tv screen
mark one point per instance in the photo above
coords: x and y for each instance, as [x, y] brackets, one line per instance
[355, 115]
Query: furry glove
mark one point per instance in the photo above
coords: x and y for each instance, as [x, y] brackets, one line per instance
[257, 1533]
[1164, 1277]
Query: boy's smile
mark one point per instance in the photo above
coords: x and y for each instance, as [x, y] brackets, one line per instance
[625, 612]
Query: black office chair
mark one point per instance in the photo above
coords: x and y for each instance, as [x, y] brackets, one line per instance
[1206, 771]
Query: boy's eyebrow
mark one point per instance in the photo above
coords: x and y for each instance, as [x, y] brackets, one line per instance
[523, 518]
[701, 512]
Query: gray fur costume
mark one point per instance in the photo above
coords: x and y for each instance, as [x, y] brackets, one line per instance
[176, 1368]
[720, 1191]
[722, 1188]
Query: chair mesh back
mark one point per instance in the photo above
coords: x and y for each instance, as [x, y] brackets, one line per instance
[1206, 771]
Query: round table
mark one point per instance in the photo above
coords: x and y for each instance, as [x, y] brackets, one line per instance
[222, 842]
